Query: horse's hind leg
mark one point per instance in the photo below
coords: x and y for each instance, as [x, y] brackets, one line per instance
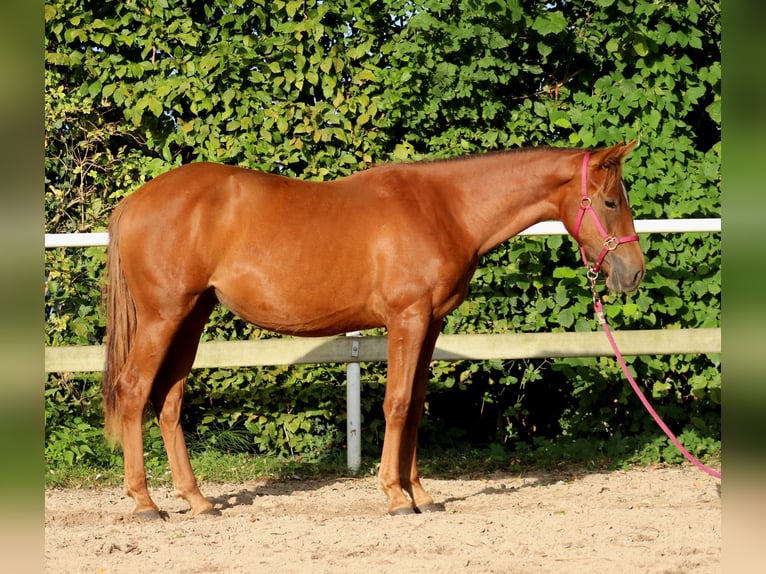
[133, 389]
[167, 398]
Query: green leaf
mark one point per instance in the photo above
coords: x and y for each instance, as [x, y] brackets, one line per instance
[108, 90]
[564, 273]
[566, 318]
[641, 48]
[550, 23]
[714, 111]
[631, 310]
[660, 389]
[95, 88]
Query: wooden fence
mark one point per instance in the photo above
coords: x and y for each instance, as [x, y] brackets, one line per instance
[361, 349]
[354, 349]
[287, 350]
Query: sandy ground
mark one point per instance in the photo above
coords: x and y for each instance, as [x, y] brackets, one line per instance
[663, 520]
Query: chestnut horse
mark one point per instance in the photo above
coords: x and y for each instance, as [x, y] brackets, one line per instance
[393, 246]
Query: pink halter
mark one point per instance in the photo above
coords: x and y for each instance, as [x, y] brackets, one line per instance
[610, 242]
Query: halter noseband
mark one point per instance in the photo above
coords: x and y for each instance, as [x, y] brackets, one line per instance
[610, 241]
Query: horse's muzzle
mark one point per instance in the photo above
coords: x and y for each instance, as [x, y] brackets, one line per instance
[622, 280]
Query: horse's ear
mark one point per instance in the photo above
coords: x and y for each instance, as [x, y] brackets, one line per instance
[613, 156]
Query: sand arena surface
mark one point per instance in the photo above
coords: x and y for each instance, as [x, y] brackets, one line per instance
[664, 520]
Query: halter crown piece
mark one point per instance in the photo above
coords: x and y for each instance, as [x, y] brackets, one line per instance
[586, 205]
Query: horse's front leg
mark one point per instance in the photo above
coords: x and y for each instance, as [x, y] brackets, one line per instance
[407, 336]
[408, 465]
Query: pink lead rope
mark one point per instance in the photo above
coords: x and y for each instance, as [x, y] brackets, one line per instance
[610, 244]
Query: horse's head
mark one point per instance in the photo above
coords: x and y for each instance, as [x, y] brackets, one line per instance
[599, 218]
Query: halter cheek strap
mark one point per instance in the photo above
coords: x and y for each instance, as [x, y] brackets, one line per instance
[586, 205]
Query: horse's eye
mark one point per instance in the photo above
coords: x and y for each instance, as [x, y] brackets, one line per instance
[610, 203]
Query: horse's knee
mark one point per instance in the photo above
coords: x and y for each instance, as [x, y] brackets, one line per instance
[396, 409]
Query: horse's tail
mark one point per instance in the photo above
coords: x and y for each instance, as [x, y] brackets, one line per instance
[120, 331]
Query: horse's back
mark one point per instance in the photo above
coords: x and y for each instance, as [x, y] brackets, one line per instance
[291, 255]
[200, 183]
[215, 200]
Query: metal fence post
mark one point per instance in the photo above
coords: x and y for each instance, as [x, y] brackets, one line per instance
[353, 408]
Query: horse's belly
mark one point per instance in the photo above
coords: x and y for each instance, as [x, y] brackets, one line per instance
[304, 312]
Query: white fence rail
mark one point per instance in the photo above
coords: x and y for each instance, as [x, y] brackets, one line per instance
[544, 228]
[355, 349]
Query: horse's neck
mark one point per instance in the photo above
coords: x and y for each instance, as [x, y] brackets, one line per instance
[501, 195]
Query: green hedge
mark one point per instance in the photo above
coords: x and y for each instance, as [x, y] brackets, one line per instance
[320, 90]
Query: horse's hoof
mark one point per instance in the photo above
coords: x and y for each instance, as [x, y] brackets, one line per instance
[402, 511]
[432, 507]
[150, 515]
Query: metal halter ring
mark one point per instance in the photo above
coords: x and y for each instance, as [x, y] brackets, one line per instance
[611, 243]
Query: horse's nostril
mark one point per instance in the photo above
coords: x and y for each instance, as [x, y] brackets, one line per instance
[638, 276]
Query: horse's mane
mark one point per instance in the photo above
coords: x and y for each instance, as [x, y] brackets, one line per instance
[614, 170]
[499, 152]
